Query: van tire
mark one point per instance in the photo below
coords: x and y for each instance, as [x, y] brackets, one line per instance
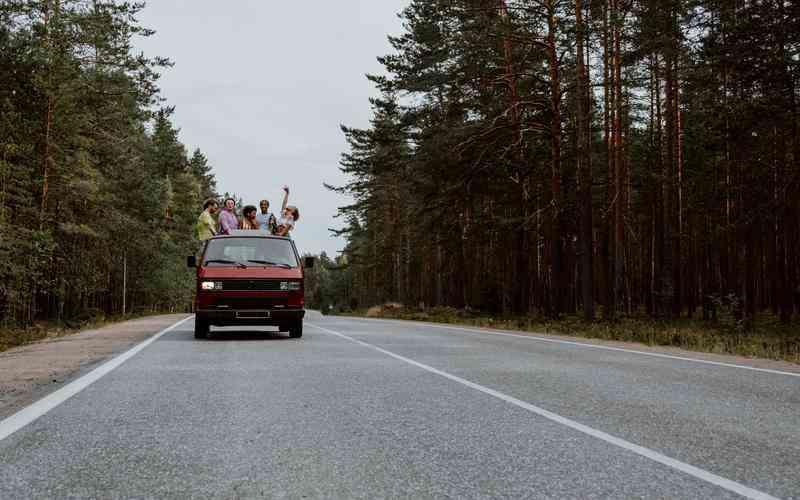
[296, 329]
[201, 328]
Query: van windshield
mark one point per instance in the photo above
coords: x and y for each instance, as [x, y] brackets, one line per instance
[249, 252]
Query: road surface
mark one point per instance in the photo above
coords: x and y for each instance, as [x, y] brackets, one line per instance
[381, 409]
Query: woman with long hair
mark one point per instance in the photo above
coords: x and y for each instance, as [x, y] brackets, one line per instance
[249, 220]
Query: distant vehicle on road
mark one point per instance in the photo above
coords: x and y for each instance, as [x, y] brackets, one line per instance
[249, 278]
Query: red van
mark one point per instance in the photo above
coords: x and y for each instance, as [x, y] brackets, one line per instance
[249, 278]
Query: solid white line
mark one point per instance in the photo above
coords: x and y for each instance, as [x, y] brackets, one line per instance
[582, 344]
[27, 415]
[696, 472]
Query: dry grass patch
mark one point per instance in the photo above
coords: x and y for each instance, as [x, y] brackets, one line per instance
[15, 337]
[766, 338]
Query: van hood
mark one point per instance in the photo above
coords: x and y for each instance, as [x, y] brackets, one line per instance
[252, 272]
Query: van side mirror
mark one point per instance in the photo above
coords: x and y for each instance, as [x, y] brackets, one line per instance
[191, 261]
[309, 263]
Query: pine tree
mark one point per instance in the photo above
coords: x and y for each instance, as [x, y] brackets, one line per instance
[689, 106]
[85, 187]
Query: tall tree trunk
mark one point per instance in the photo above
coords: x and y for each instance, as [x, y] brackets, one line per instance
[655, 151]
[555, 236]
[677, 270]
[52, 8]
[584, 171]
[619, 164]
[609, 304]
[668, 179]
[520, 268]
[661, 273]
[773, 274]
[788, 163]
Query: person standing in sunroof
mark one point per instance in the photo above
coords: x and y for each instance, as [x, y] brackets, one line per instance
[266, 219]
[206, 226]
[249, 221]
[228, 221]
[289, 216]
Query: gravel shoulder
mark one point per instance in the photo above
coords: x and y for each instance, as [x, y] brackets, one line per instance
[29, 372]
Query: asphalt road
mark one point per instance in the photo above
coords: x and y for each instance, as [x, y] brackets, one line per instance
[372, 409]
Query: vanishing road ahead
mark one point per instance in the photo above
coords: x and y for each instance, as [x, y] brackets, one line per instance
[382, 409]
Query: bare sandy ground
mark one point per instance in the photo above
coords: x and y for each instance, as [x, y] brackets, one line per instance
[29, 372]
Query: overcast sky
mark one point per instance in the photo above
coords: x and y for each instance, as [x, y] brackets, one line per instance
[261, 87]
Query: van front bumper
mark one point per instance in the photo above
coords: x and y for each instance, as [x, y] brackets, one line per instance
[256, 317]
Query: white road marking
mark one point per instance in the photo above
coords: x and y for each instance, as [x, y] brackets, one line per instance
[27, 415]
[696, 472]
[581, 344]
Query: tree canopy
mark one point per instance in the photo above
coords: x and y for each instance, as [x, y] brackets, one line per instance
[95, 182]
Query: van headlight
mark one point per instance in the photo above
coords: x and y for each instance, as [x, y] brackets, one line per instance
[210, 285]
[290, 285]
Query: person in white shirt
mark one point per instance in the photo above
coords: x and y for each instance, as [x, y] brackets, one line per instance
[289, 216]
[266, 219]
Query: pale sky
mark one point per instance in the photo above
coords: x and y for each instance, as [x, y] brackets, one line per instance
[261, 87]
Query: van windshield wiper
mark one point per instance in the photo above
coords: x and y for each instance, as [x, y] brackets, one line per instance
[268, 263]
[223, 261]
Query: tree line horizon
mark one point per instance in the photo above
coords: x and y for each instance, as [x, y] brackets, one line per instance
[597, 157]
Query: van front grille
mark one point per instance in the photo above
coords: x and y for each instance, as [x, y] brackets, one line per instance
[251, 285]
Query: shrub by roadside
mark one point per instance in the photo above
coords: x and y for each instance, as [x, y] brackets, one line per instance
[766, 337]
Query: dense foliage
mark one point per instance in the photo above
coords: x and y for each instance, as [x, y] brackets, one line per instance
[93, 179]
[548, 156]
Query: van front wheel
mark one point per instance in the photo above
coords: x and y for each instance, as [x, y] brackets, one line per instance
[296, 329]
[201, 328]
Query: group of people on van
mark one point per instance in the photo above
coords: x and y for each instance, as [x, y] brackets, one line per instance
[260, 219]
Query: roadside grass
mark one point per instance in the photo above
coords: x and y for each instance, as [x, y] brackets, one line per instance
[765, 338]
[15, 337]
[11, 337]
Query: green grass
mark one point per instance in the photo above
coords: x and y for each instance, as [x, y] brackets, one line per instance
[766, 337]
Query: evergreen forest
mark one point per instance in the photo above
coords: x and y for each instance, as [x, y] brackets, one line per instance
[592, 158]
[97, 194]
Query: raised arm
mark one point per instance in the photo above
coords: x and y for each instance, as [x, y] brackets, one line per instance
[285, 198]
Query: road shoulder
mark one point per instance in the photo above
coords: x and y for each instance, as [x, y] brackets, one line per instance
[30, 372]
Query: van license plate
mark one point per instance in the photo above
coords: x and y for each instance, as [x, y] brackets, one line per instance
[252, 314]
